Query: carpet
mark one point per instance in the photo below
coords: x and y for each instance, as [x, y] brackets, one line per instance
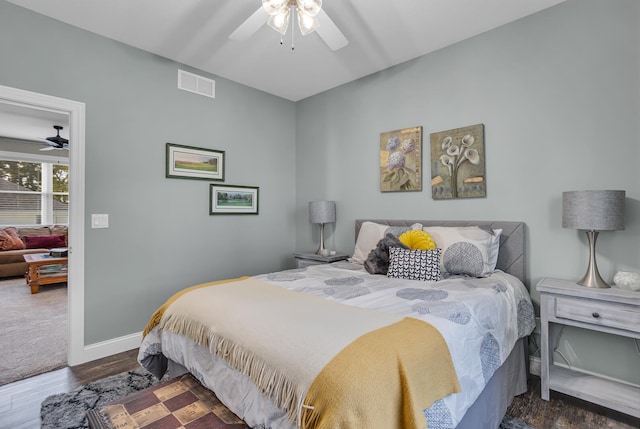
[33, 338]
[68, 410]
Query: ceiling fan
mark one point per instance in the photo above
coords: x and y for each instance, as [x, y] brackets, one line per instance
[277, 13]
[56, 142]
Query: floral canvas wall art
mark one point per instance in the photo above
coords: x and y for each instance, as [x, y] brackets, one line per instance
[401, 160]
[458, 163]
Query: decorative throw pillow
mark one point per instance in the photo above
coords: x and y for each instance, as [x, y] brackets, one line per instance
[417, 240]
[378, 260]
[9, 239]
[45, 241]
[414, 264]
[371, 233]
[468, 250]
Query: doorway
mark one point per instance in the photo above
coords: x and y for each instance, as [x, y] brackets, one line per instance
[76, 112]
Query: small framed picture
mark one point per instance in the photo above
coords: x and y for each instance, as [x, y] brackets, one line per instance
[230, 199]
[187, 162]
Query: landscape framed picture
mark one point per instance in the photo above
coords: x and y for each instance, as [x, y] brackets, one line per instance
[231, 199]
[188, 162]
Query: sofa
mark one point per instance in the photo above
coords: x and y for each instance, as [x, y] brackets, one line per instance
[22, 240]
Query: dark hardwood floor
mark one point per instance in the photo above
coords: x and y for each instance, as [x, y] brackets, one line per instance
[566, 412]
[20, 401]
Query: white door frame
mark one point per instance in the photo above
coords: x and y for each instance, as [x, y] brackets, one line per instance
[76, 111]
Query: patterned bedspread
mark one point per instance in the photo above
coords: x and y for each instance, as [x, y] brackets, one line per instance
[480, 318]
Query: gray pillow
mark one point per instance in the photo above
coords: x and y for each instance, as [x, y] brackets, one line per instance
[378, 260]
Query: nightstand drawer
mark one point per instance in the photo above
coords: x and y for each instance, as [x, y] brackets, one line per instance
[598, 313]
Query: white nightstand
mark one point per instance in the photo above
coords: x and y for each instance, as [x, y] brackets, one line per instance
[614, 311]
[304, 259]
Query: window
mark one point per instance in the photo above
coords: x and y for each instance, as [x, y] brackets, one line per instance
[33, 192]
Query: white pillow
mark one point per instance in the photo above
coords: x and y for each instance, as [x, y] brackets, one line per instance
[466, 250]
[495, 248]
[369, 236]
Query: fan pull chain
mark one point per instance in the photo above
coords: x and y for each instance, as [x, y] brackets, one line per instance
[293, 26]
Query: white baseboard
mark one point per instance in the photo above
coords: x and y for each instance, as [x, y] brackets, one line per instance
[535, 367]
[111, 347]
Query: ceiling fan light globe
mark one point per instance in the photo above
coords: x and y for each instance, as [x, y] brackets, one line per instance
[279, 22]
[274, 7]
[309, 7]
[308, 24]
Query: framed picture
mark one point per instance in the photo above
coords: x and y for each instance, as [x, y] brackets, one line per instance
[458, 163]
[187, 162]
[230, 199]
[401, 160]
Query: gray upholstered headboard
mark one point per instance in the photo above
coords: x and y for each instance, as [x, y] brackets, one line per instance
[511, 257]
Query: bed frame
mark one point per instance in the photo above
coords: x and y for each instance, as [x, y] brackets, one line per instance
[511, 378]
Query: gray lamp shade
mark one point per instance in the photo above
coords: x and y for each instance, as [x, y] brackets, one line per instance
[593, 210]
[322, 211]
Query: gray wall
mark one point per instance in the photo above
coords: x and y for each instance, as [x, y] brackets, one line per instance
[161, 237]
[558, 93]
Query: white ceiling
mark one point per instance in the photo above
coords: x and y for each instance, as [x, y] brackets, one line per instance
[196, 33]
[27, 123]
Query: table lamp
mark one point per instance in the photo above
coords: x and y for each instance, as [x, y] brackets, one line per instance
[322, 212]
[593, 211]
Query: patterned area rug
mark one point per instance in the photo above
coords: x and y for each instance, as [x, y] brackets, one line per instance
[68, 410]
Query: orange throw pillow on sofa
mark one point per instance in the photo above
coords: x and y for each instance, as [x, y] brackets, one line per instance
[9, 239]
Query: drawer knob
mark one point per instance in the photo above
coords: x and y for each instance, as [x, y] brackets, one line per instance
[595, 314]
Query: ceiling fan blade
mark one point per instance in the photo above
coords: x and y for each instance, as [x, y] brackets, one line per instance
[251, 25]
[330, 33]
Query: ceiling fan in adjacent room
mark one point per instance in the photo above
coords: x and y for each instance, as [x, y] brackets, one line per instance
[308, 13]
[56, 142]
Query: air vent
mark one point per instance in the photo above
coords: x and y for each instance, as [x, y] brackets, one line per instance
[197, 84]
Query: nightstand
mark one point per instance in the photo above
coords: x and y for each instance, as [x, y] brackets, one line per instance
[304, 259]
[614, 311]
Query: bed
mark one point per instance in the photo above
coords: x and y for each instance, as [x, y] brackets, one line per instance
[482, 317]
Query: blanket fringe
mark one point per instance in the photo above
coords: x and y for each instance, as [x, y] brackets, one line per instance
[269, 381]
[309, 418]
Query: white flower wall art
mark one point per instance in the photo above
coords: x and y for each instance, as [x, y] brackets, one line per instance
[401, 160]
[458, 163]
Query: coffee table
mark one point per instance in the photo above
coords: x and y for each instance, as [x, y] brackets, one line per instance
[43, 269]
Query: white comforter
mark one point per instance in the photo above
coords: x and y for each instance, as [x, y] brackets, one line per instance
[480, 319]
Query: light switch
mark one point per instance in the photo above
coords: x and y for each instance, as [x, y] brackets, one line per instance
[99, 221]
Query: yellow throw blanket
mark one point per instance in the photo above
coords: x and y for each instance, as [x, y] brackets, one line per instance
[384, 379]
[293, 345]
[157, 315]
